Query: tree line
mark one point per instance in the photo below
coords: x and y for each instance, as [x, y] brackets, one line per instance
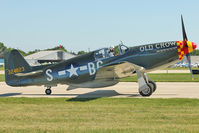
[4, 49]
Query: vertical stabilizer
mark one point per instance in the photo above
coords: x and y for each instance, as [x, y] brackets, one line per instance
[14, 63]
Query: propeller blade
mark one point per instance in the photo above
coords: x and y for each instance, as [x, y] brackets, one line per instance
[183, 30]
[189, 63]
[185, 39]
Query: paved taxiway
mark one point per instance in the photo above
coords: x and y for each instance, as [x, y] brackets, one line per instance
[122, 89]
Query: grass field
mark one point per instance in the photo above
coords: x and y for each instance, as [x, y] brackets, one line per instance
[118, 115]
[2, 77]
[1, 68]
[166, 77]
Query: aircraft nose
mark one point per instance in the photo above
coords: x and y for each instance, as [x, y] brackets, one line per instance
[194, 45]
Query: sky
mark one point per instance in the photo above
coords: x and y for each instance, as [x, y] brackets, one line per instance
[93, 24]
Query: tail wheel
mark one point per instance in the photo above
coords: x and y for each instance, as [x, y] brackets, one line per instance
[48, 91]
[153, 85]
[147, 92]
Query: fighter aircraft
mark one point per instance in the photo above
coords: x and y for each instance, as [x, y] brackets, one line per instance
[100, 68]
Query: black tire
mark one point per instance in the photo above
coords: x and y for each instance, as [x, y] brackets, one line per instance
[153, 85]
[48, 91]
[147, 93]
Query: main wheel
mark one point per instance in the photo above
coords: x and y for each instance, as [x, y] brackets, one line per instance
[147, 92]
[48, 91]
[153, 85]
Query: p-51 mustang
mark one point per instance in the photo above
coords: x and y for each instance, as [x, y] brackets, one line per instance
[100, 68]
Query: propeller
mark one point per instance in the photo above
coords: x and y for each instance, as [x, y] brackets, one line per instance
[185, 39]
[189, 63]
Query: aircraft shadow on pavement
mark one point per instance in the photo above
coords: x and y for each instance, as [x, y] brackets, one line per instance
[82, 97]
[77, 97]
[9, 94]
[98, 94]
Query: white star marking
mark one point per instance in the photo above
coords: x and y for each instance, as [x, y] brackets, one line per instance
[72, 71]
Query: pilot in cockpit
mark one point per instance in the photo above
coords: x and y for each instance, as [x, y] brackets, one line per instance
[111, 51]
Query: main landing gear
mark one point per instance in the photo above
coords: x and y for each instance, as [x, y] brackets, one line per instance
[146, 86]
[48, 91]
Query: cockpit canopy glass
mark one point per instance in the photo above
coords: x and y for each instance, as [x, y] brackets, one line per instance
[110, 52]
[102, 54]
[123, 49]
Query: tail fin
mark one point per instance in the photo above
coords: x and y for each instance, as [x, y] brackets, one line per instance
[14, 63]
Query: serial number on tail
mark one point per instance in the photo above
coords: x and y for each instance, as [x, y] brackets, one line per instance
[16, 70]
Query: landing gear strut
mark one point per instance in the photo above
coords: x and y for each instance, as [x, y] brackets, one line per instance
[48, 90]
[146, 86]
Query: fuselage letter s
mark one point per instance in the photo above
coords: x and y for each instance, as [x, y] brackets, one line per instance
[49, 75]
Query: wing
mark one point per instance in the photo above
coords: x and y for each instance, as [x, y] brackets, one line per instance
[116, 71]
